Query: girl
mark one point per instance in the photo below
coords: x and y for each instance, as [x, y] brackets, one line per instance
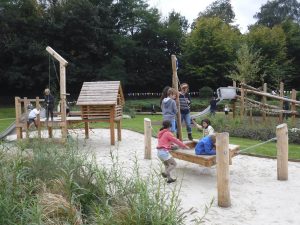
[165, 140]
[169, 108]
[205, 126]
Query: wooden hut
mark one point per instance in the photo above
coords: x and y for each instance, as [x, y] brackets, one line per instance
[102, 101]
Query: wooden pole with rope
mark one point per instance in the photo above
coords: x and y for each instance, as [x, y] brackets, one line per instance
[62, 68]
[175, 86]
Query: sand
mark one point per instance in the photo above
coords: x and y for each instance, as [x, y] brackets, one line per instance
[257, 197]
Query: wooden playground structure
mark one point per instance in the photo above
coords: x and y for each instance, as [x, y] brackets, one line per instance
[247, 104]
[100, 101]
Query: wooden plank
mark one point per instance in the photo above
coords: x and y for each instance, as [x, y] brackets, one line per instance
[98, 103]
[204, 160]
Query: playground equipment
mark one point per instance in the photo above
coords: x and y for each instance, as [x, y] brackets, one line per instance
[246, 103]
[99, 102]
[224, 154]
[102, 101]
[224, 93]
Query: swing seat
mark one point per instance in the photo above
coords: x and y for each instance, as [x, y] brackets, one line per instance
[203, 160]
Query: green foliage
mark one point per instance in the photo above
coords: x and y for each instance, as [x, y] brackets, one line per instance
[247, 66]
[275, 12]
[221, 9]
[214, 38]
[206, 92]
[48, 183]
[271, 43]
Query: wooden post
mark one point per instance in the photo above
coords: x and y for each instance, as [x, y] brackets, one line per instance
[62, 68]
[147, 138]
[86, 130]
[38, 117]
[18, 116]
[63, 100]
[175, 86]
[242, 102]
[50, 131]
[293, 107]
[119, 130]
[234, 103]
[264, 101]
[112, 125]
[281, 101]
[282, 151]
[222, 144]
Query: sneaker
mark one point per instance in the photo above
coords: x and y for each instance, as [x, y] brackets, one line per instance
[171, 180]
[164, 175]
[190, 137]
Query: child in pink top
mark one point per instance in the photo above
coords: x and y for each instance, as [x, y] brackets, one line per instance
[165, 141]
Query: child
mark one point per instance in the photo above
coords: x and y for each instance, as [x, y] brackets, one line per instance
[226, 110]
[206, 146]
[32, 118]
[49, 101]
[185, 102]
[169, 108]
[213, 106]
[205, 126]
[165, 140]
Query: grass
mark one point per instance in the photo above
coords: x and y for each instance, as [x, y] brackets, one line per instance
[137, 124]
[7, 117]
[54, 184]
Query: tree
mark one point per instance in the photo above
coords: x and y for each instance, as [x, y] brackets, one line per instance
[271, 42]
[247, 66]
[277, 11]
[292, 32]
[221, 9]
[209, 52]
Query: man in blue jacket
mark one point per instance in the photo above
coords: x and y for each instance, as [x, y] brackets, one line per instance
[206, 146]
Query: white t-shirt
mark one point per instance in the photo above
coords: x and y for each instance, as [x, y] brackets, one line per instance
[208, 131]
[33, 113]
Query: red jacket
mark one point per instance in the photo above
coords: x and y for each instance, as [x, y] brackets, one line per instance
[166, 138]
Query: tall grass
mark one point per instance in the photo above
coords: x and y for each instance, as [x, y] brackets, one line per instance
[48, 183]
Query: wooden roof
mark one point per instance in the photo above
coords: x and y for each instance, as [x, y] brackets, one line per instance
[100, 93]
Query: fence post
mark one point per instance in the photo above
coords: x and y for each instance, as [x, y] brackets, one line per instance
[222, 144]
[147, 138]
[281, 94]
[282, 151]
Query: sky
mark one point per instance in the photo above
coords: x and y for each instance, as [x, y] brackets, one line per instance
[244, 9]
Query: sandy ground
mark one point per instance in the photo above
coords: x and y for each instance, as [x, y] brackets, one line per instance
[257, 197]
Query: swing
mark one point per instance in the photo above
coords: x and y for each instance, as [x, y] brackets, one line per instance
[203, 160]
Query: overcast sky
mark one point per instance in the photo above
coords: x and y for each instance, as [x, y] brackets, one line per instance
[244, 9]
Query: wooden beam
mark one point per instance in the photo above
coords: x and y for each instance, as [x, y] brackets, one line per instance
[56, 56]
[175, 86]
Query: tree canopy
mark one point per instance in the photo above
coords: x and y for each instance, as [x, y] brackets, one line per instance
[127, 40]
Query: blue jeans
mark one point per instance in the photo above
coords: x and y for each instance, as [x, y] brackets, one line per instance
[173, 126]
[187, 119]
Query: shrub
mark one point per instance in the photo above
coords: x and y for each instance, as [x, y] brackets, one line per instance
[206, 92]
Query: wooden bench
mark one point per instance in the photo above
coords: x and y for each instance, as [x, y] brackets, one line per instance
[203, 160]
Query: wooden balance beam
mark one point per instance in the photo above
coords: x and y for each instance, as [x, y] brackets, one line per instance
[203, 160]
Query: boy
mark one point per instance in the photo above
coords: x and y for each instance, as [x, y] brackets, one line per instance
[32, 118]
[185, 102]
[206, 146]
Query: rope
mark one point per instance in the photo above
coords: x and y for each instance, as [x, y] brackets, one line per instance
[49, 72]
[253, 146]
[155, 133]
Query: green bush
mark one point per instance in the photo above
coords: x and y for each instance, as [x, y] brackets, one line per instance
[206, 92]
